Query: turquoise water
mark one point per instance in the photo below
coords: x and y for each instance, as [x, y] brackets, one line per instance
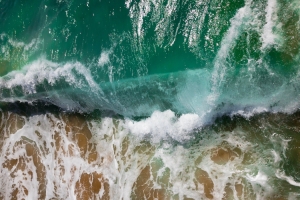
[168, 72]
[136, 57]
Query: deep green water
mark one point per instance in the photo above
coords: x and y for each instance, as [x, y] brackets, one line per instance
[169, 71]
[136, 57]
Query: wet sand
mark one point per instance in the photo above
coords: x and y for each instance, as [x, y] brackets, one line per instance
[63, 156]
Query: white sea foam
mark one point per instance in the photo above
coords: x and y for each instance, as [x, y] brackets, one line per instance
[221, 64]
[194, 23]
[137, 14]
[249, 113]
[43, 70]
[276, 156]
[25, 49]
[123, 152]
[289, 179]
[260, 178]
[268, 36]
[161, 125]
[19, 44]
[162, 16]
[104, 58]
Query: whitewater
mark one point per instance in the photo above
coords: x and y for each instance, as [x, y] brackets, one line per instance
[150, 99]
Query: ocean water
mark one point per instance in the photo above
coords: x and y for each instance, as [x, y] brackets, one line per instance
[150, 99]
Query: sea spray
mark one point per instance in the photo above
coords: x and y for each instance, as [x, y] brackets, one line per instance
[152, 99]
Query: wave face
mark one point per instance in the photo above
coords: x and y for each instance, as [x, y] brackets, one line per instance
[149, 99]
[134, 57]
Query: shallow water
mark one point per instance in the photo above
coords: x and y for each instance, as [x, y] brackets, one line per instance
[68, 156]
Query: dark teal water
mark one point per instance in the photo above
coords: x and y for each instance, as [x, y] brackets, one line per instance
[167, 69]
[137, 57]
